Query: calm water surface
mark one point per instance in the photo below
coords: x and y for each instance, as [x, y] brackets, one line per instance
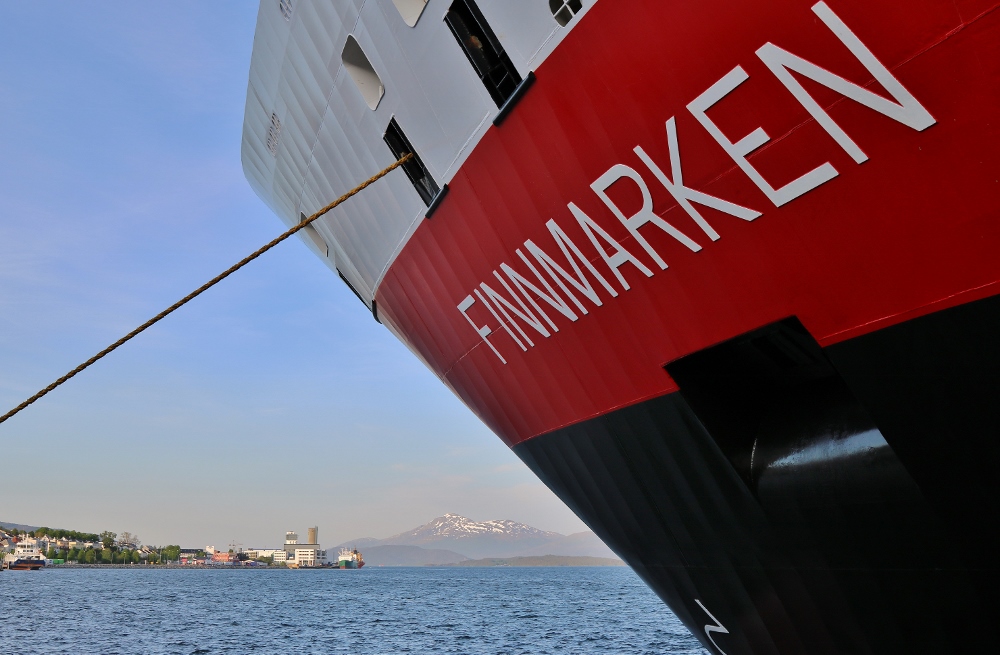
[415, 610]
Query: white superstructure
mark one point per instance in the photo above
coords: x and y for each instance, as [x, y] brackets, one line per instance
[311, 132]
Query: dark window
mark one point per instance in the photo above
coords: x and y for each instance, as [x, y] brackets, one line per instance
[414, 169]
[483, 49]
[564, 10]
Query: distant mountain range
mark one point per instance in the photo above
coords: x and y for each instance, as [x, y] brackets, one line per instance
[451, 539]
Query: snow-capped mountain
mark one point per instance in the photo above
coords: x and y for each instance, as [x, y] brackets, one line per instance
[453, 526]
[504, 538]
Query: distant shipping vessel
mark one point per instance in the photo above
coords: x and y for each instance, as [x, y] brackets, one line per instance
[725, 275]
[350, 559]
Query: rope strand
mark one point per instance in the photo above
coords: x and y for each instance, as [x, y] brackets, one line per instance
[208, 285]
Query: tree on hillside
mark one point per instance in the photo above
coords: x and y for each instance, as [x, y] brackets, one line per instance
[106, 556]
[172, 553]
[135, 557]
[90, 557]
[108, 539]
[128, 539]
[51, 553]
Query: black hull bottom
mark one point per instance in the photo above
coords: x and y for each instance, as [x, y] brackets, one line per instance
[25, 565]
[792, 499]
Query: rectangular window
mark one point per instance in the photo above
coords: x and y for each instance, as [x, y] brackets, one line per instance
[483, 49]
[414, 169]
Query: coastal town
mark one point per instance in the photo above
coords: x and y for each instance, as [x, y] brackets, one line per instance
[46, 547]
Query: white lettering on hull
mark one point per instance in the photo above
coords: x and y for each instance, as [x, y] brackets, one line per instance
[903, 108]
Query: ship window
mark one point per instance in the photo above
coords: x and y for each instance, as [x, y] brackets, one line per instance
[564, 10]
[361, 71]
[414, 169]
[410, 10]
[286, 6]
[483, 49]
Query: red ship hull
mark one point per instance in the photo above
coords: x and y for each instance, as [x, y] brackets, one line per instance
[777, 398]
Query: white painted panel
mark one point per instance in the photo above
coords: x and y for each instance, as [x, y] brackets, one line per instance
[331, 139]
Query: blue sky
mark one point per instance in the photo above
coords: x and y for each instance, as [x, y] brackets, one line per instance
[271, 403]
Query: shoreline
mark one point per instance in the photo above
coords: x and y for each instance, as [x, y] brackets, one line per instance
[513, 563]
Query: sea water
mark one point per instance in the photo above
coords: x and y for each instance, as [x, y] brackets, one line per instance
[492, 611]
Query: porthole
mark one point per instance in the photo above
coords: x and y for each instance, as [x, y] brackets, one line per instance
[410, 10]
[564, 10]
[361, 71]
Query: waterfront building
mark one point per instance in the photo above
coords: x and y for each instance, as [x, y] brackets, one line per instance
[292, 541]
[223, 558]
[306, 554]
[309, 557]
[260, 553]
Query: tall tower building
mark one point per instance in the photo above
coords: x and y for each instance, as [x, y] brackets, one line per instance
[313, 535]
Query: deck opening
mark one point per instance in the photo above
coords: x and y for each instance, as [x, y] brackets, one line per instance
[351, 287]
[484, 50]
[564, 10]
[313, 235]
[421, 178]
[786, 420]
[362, 72]
[410, 10]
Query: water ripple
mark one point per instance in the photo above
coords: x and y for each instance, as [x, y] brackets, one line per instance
[490, 611]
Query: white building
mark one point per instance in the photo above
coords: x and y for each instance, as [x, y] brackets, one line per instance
[309, 557]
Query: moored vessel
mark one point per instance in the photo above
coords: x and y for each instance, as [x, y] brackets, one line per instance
[26, 557]
[25, 564]
[722, 274]
[350, 558]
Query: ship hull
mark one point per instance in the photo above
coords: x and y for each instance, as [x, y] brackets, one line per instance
[825, 548]
[26, 565]
[725, 278]
[787, 430]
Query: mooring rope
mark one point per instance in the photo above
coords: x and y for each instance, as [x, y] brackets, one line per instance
[208, 285]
